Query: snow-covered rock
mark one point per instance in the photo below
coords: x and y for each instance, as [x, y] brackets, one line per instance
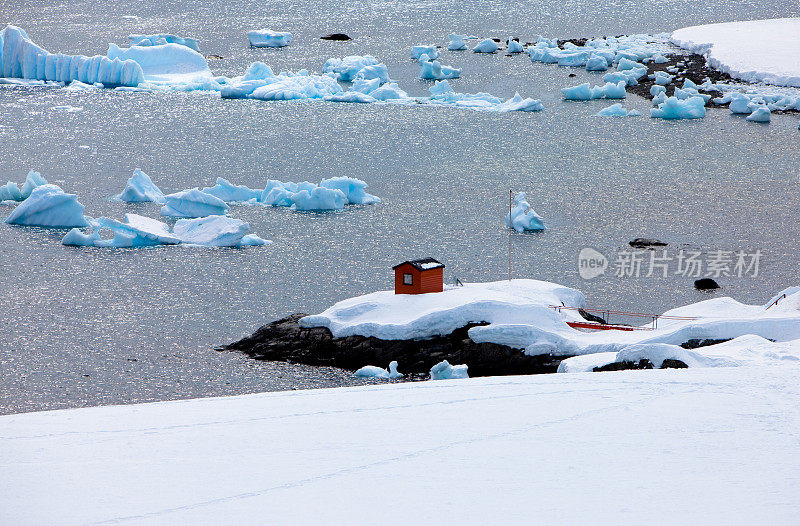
[444, 371]
[215, 231]
[486, 46]
[141, 189]
[163, 38]
[754, 51]
[11, 192]
[353, 189]
[673, 108]
[231, 193]
[193, 203]
[522, 217]
[48, 206]
[268, 38]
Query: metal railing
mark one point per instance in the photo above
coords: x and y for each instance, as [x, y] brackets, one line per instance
[606, 314]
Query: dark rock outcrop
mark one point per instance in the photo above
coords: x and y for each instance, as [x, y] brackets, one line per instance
[706, 284]
[696, 343]
[644, 363]
[285, 341]
[641, 242]
[341, 37]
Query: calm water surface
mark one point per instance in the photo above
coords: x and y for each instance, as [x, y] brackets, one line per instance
[98, 326]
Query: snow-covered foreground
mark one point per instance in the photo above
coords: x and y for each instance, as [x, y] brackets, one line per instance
[656, 447]
[755, 50]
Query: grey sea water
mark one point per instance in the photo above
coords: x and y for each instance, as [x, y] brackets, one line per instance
[96, 326]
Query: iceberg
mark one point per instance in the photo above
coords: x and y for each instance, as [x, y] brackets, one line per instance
[352, 188]
[517, 103]
[436, 71]
[193, 203]
[626, 64]
[11, 192]
[486, 46]
[350, 96]
[596, 63]
[514, 46]
[141, 189]
[522, 217]
[21, 58]
[663, 78]
[165, 64]
[230, 193]
[163, 38]
[134, 232]
[616, 110]
[577, 60]
[373, 371]
[444, 371]
[457, 43]
[285, 87]
[319, 199]
[673, 108]
[346, 69]
[389, 91]
[216, 231]
[418, 51]
[760, 114]
[48, 206]
[268, 38]
[655, 89]
[610, 90]
[740, 103]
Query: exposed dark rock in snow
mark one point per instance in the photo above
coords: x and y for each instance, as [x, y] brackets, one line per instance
[706, 284]
[641, 242]
[285, 341]
[341, 37]
[696, 343]
[644, 363]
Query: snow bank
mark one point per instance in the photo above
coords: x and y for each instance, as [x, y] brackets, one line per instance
[268, 38]
[141, 189]
[755, 51]
[48, 206]
[522, 217]
[193, 203]
[163, 38]
[11, 192]
[373, 371]
[444, 371]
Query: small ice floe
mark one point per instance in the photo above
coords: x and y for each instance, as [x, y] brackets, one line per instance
[517, 103]
[268, 38]
[350, 96]
[522, 217]
[346, 69]
[319, 198]
[662, 78]
[48, 206]
[760, 114]
[617, 110]
[585, 92]
[77, 85]
[418, 51]
[216, 231]
[159, 39]
[596, 63]
[193, 203]
[11, 192]
[67, 108]
[443, 94]
[457, 43]
[673, 108]
[141, 189]
[444, 371]
[486, 46]
[373, 371]
[655, 90]
[434, 70]
[514, 46]
[231, 193]
[352, 188]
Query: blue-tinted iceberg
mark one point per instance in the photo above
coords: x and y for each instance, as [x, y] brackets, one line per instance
[11, 192]
[522, 217]
[163, 38]
[353, 189]
[444, 371]
[663, 78]
[166, 64]
[296, 86]
[457, 42]
[350, 96]
[514, 46]
[418, 51]
[134, 232]
[436, 71]
[268, 38]
[319, 199]
[517, 103]
[616, 110]
[596, 63]
[584, 92]
[673, 108]
[216, 231]
[346, 69]
[141, 189]
[373, 371]
[760, 114]
[193, 203]
[231, 193]
[486, 46]
[49, 206]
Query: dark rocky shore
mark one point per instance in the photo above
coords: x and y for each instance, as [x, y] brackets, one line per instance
[285, 341]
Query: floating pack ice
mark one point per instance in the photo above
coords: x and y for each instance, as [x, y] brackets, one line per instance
[418, 51]
[522, 217]
[319, 199]
[278, 193]
[141, 189]
[163, 38]
[514, 46]
[434, 70]
[346, 69]
[48, 206]
[442, 94]
[134, 232]
[350, 96]
[486, 46]
[11, 192]
[596, 63]
[173, 65]
[373, 371]
[296, 86]
[760, 114]
[353, 189]
[517, 103]
[268, 38]
[21, 58]
[216, 231]
[457, 43]
[193, 203]
[655, 90]
[444, 371]
[231, 193]
[584, 92]
[673, 108]
[663, 78]
[616, 110]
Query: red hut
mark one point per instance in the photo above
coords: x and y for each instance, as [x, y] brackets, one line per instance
[419, 276]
